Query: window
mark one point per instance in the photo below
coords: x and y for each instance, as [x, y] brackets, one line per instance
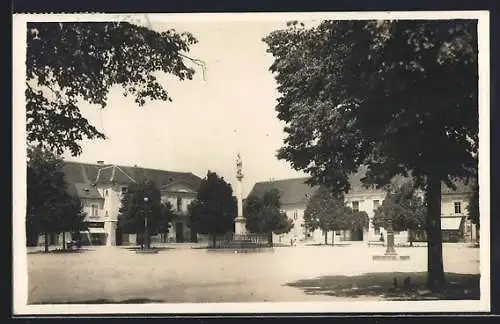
[94, 210]
[376, 204]
[179, 203]
[123, 190]
[458, 207]
[355, 205]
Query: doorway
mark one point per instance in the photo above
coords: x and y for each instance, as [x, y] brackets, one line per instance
[179, 233]
[194, 235]
[357, 234]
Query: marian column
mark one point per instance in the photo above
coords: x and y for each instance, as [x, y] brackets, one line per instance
[239, 222]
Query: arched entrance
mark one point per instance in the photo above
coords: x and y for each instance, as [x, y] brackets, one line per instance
[179, 232]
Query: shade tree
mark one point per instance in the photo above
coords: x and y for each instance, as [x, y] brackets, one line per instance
[143, 213]
[403, 208]
[398, 97]
[50, 208]
[215, 208]
[68, 63]
[264, 215]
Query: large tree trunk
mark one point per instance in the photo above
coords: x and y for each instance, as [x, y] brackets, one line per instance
[46, 241]
[64, 240]
[435, 271]
[410, 236]
[270, 239]
[326, 237]
[213, 240]
[333, 237]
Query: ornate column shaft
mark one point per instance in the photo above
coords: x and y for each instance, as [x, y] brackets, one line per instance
[239, 225]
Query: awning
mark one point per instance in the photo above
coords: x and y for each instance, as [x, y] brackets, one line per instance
[451, 223]
[95, 230]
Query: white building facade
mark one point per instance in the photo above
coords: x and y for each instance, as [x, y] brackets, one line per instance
[101, 187]
[295, 193]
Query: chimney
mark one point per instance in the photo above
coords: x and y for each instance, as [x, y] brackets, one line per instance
[100, 162]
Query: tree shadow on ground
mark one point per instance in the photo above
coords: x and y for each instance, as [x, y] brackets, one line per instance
[105, 301]
[392, 286]
[329, 244]
[61, 251]
[156, 248]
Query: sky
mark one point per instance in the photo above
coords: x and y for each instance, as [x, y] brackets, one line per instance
[210, 120]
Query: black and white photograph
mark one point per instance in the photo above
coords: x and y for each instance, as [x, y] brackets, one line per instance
[251, 162]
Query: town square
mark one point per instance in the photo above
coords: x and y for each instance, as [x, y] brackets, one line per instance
[287, 159]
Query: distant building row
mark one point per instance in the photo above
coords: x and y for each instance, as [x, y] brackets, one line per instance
[100, 188]
[295, 194]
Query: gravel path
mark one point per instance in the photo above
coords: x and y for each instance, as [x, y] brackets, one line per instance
[183, 274]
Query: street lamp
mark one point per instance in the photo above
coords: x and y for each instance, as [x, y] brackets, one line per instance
[146, 222]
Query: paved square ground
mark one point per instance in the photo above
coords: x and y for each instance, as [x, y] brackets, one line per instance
[183, 274]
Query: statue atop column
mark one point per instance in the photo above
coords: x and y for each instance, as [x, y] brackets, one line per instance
[239, 167]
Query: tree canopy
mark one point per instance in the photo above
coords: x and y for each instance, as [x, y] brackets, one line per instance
[327, 210]
[71, 62]
[135, 209]
[264, 215]
[396, 96]
[473, 206]
[50, 208]
[399, 97]
[215, 208]
[403, 207]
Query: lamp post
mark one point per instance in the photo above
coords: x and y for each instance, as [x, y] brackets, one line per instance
[146, 237]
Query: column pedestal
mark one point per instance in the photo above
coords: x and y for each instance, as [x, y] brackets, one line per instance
[390, 253]
[239, 226]
[110, 227]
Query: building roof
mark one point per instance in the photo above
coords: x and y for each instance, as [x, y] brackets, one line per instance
[296, 191]
[462, 186]
[292, 191]
[84, 175]
[83, 190]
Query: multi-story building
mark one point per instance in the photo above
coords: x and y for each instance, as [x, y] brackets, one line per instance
[295, 194]
[101, 187]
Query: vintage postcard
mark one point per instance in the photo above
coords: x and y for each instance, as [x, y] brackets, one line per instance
[320, 162]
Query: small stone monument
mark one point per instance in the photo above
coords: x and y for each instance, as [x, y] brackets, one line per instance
[390, 252]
